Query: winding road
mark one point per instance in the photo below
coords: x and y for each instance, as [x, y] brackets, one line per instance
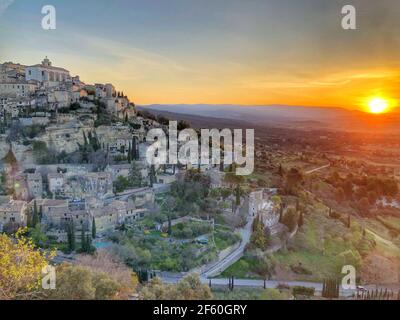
[236, 254]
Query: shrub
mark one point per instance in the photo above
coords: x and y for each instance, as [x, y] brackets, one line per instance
[299, 269]
[303, 291]
[283, 286]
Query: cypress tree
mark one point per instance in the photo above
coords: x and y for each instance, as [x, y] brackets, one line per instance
[71, 236]
[169, 225]
[280, 213]
[73, 246]
[237, 195]
[88, 243]
[85, 142]
[93, 228]
[35, 218]
[152, 175]
[280, 170]
[129, 153]
[135, 153]
[83, 240]
[301, 220]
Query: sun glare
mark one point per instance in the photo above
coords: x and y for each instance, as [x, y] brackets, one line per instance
[378, 105]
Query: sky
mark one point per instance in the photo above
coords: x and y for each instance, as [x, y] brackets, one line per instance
[250, 52]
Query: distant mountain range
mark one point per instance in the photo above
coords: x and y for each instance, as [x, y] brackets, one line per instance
[296, 117]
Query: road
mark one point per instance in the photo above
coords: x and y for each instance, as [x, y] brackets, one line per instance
[235, 255]
[258, 283]
[317, 169]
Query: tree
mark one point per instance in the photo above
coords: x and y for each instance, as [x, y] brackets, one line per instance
[364, 205]
[276, 200]
[265, 265]
[280, 213]
[71, 236]
[169, 225]
[93, 228]
[20, 267]
[129, 153]
[135, 176]
[232, 179]
[134, 150]
[39, 238]
[85, 140]
[340, 194]
[35, 215]
[280, 170]
[301, 220]
[121, 184]
[106, 263]
[89, 248]
[188, 288]
[293, 179]
[237, 195]
[258, 238]
[191, 288]
[290, 218]
[41, 153]
[152, 175]
[348, 188]
[84, 244]
[81, 283]
[182, 125]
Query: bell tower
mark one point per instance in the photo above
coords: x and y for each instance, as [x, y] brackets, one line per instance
[46, 62]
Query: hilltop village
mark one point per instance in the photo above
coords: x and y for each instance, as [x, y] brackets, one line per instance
[74, 172]
[75, 178]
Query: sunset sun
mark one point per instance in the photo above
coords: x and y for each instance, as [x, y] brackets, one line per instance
[378, 105]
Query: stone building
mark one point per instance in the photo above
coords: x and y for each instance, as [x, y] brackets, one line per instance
[35, 185]
[13, 212]
[261, 204]
[47, 74]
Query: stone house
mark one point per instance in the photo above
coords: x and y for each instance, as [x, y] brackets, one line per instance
[118, 170]
[13, 212]
[55, 182]
[35, 185]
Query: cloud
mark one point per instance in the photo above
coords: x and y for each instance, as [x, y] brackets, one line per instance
[4, 4]
[330, 80]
